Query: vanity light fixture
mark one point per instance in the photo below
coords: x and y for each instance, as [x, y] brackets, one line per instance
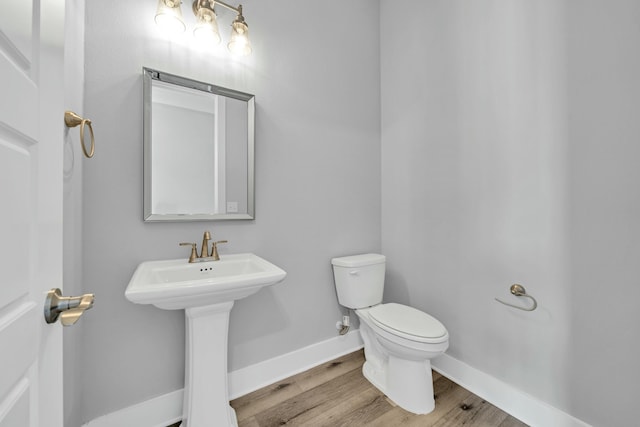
[169, 16]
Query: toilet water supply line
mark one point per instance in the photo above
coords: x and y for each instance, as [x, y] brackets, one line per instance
[343, 326]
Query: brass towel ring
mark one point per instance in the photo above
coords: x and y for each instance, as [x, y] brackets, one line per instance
[519, 291]
[72, 120]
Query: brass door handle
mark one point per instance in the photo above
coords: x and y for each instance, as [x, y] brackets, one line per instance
[68, 309]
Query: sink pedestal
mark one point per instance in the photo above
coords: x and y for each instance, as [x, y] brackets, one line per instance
[206, 397]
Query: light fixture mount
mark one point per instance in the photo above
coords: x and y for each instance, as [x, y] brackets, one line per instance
[207, 4]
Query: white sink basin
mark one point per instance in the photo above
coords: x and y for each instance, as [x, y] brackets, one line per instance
[178, 284]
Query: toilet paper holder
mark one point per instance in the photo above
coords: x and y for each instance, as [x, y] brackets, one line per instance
[519, 291]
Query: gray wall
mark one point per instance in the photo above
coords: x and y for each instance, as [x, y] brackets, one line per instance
[509, 154]
[316, 83]
[603, 89]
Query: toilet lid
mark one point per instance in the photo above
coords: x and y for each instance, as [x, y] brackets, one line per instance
[407, 321]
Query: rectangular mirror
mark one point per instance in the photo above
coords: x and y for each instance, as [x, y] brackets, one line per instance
[198, 150]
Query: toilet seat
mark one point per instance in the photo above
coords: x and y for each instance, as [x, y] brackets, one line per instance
[408, 322]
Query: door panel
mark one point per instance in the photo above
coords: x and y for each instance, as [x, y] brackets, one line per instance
[17, 67]
[16, 22]
[17, 406]
[15, 166]
[31, 132]
[19, 329]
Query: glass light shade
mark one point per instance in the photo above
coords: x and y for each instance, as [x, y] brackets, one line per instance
[239, 43]
[206, 29]
[169, 16]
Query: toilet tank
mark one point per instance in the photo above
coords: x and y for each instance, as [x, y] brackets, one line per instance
[359, 279]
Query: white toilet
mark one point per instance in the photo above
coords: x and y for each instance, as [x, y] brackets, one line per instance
[399, 341]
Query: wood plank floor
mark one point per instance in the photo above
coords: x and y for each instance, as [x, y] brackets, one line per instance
[337, 394]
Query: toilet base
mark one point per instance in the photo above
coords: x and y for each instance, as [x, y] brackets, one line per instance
[408, 383]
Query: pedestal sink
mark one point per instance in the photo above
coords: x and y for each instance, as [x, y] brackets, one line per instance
[206, 291]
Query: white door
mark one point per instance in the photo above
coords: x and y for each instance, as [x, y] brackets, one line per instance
[31, 142]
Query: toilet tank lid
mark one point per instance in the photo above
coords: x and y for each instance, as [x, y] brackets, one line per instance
[358, 260]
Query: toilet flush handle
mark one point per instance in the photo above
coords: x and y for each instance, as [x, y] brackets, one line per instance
[354, 272]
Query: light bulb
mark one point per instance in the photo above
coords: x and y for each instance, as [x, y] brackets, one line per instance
[206, 29]
[169, 16]
[239, 43]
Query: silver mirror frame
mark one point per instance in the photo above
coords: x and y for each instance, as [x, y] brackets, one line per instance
[149, 75]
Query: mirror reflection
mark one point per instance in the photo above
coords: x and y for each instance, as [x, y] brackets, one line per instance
[198, 150]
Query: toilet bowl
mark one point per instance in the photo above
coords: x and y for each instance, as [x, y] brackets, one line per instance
[399, 341]
[400, 366]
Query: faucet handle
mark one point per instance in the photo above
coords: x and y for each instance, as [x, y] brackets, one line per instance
[194, 253]
[214, 249]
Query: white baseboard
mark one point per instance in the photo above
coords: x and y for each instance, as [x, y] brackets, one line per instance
[167, 409]
[160, 411]
[254, 377]
[511, 400]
